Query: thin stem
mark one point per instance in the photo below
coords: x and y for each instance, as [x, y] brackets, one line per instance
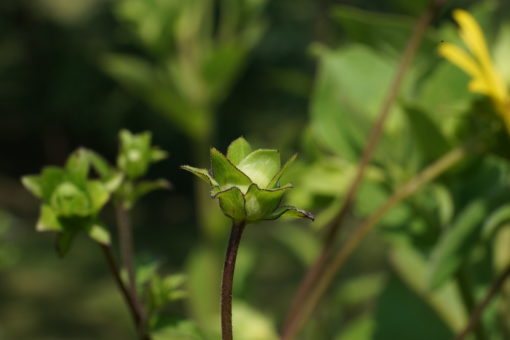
[361, 231]
[228, 277]
[465, 286]
[128, 298]
[373, 140]
[126, 251]
[480, 308]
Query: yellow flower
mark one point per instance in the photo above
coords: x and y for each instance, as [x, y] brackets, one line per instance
[478, 64]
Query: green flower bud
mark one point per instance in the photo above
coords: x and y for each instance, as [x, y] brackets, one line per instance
[136, 153]
[70, 201]
[246, 183]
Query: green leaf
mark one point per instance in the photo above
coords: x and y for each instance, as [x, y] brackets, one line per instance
[261, 166]
[48, 220]
[290, 211]
[64, 241]
[232, 204]
[345, 100]
[454, 245]
[100, 165]
[261, 203]
[143, 188]
[99, 233]
[388, 33]
[78, 166]
[113, 181]
[361, 328]
[496, 219]
[445, 103]
[226, 173]
[33, 184]
[203, 174]
[50, 178]
[416, 320]
[250, 324]
[276, 178]
[238, 150]
[156, 154]
[98, 194]
[183, 330]
[427, 134]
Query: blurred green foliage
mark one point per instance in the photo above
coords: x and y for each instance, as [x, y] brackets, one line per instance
[304, 76]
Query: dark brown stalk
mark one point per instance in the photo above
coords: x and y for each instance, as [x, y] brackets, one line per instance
[480, 308]
[361, 231]
[466, 291]
[126, 252]
[228, 277]
[408, 55]
[128, 298]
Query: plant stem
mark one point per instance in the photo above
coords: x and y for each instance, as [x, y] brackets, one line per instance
[128, 298]
[466, 289]
[126, 251]
[361, 231]
[228, 277]
[480, 308]
[373, 139]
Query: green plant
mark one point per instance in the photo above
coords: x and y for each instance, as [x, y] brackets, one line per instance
[247, 185]
[71, 203]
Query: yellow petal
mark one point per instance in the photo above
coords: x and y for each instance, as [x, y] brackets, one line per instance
[479, 85]
[460, 58]
[472, 35]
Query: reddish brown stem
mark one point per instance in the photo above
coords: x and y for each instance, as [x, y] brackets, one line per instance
[128, 298]
[228, 277]
[480, 308]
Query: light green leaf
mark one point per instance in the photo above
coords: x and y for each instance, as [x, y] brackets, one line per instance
[50, 178]
[455, 244]
[250, 324]
[346, 99]
[226, 173]
[99, 233]
[203, 174]
[98, 195]
[78, 166]
[157, 154]
[360, 328]
[232, 204]
[289, 211]
[100, 165]
[143, 188]
[238, 150]
[276, 178]
[33, 184]
[496, 219]
[183, 330]
[113, 181]
[48, 220]
[261, 203]
[261, 166]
